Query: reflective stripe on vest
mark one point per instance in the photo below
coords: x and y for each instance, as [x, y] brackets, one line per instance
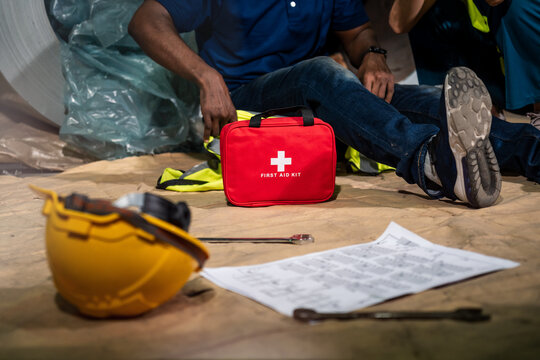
[205, 176]
[360, 163]
[478, 21]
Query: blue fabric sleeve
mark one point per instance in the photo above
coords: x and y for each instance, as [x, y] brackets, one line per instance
[348, 14]
[187, 15]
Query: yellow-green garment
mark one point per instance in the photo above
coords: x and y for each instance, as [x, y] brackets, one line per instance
[202, 177]
[207, 175]
[478, 21]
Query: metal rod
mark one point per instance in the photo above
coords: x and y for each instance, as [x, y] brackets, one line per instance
[460, 314]
[297, 239]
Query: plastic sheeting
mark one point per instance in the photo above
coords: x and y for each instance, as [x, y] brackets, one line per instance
[119, 102]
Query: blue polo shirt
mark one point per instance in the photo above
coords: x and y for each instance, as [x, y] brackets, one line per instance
[244, 39]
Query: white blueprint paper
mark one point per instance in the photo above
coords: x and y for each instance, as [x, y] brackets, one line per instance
[399, 262]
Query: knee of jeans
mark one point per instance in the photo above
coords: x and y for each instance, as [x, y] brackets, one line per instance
[324, 70]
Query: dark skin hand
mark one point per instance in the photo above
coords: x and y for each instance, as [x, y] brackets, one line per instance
[154, 30]
[216, 107]
[373, 71]
[376, 76]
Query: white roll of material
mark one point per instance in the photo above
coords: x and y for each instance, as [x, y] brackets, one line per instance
[30, 56]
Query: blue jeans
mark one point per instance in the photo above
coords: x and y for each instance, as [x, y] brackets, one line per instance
[394, 134]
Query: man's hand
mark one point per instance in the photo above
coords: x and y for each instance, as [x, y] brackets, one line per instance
[376, 76]
[372, 69]
[216, 106]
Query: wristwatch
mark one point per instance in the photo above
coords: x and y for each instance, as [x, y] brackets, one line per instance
[375, 49]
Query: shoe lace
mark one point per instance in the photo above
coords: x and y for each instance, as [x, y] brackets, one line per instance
[535, 119]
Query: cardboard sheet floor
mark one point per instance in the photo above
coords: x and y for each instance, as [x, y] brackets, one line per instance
[205, 321]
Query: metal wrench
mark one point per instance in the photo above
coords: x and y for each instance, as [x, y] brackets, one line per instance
[297, 239]
[460, 314]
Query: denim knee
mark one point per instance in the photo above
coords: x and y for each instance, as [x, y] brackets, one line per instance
[324, 71]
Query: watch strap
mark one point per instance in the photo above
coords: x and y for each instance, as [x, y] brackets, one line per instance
[375, 49]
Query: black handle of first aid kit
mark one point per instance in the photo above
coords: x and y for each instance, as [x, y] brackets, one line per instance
[307, 115]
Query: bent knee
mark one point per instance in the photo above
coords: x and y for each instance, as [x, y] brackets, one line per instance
[324, 70]
[319, 63]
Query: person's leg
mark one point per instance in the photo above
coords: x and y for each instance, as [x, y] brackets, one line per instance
[372, 126]
[359, 118]
[461, 109]
[516, 146]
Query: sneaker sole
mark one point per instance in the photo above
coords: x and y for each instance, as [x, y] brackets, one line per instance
[468, 105]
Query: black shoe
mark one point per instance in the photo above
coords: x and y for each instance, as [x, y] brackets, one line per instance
[535, 119]
[464, 159]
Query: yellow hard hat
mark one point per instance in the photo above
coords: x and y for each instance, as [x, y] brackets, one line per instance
[108, 260]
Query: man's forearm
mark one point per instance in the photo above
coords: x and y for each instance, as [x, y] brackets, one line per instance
[356, 42]
[406, 13]
[154, 31]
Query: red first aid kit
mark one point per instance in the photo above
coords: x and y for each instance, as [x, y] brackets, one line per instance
[283, 160]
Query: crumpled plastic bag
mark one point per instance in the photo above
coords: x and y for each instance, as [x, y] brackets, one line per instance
[119, 102]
